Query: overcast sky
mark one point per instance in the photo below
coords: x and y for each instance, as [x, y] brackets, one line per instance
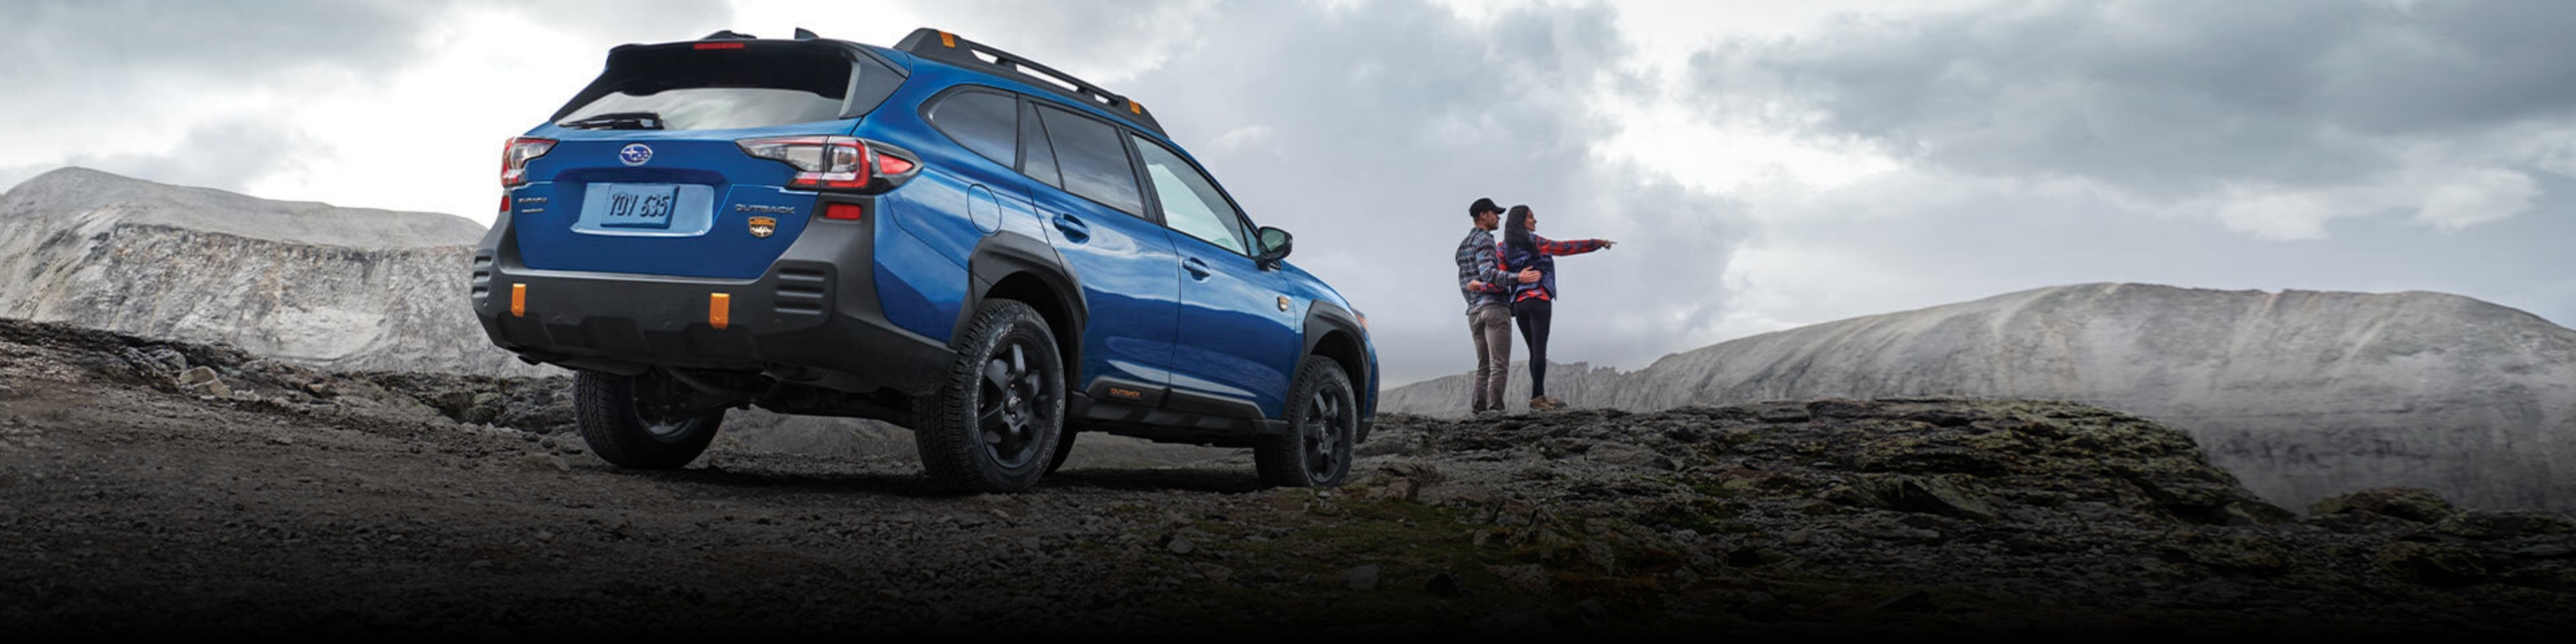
[1763, 166]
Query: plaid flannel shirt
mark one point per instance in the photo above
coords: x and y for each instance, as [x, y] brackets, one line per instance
[1548, 249]
[1477, 261]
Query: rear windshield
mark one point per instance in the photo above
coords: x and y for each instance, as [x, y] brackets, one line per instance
[709, 108]
[670, 88]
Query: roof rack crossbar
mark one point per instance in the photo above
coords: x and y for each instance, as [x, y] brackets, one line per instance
[955, 50]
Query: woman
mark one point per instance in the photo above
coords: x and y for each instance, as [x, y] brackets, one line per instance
[1534, 302]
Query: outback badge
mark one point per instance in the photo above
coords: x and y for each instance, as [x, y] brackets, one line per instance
[762, 227]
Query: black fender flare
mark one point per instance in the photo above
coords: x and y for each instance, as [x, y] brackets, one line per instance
[1324, 318]
[999, 256]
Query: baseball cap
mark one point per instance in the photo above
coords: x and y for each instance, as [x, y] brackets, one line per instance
[1483, 205]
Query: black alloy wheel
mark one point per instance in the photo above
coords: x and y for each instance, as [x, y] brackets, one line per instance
[1323, 419]
[1012, 402]
[625, 420]
[995, 423]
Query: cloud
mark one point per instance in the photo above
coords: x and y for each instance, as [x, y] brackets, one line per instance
[228, 155]
[296, 100]
[2270, 117]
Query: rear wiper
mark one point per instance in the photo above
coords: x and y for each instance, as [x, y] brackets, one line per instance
[617, 121]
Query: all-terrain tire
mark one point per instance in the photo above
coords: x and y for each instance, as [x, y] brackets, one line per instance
[995, 423]
[1063, 448]
[604, 407]
[1323, 420]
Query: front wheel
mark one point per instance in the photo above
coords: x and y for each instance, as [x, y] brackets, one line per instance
[621, 419]
[1323, 418]
[995, 424]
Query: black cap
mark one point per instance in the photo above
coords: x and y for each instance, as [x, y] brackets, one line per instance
[1483, 205]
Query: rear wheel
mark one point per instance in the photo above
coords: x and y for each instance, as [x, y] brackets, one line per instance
[629, 421]
[1323, 418]
[1063, 448]
[998, 417]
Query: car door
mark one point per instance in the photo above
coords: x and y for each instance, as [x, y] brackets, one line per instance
[1239, 333]
[1123, 259]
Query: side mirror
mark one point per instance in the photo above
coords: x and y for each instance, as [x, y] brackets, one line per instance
[1275, 244]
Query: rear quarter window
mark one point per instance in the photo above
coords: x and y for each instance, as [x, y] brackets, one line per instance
[986, 122]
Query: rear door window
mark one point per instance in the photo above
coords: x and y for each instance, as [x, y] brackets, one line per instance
[1037, 159]
[1093, 159]
[986, 122]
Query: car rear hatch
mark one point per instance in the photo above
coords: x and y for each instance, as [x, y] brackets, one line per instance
[651, 169]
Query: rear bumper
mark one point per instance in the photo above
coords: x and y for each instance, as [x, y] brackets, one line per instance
[812, 319]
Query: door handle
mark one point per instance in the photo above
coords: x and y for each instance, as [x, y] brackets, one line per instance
[1198, 269]
[1074, 229]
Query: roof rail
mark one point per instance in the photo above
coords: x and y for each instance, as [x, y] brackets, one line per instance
[949, 48]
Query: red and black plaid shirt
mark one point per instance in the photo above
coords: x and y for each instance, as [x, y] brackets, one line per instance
[1545, 288]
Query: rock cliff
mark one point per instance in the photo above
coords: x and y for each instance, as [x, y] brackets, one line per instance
[346, 289]
[2301, 394]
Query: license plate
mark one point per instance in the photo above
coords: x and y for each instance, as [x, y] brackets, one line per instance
[639, 206]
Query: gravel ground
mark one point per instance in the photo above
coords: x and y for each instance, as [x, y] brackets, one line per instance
[139, 501]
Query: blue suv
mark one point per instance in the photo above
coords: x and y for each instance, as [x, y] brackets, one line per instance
[943, 235]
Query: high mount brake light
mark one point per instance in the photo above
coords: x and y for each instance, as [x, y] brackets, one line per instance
[515, 156]
[837, 163]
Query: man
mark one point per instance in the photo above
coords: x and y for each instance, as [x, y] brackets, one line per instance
[1489, 309]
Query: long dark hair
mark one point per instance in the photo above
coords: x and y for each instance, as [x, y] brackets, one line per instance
[1516, 232]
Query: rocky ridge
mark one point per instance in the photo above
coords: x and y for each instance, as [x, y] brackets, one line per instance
[348, 289]
[2302, 394]
[261, 498]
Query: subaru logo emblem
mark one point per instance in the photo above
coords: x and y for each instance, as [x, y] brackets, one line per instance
[634, 154]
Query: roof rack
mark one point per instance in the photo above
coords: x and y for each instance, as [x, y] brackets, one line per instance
[949, 48]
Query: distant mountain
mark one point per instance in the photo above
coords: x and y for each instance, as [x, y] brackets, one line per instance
[2301, 394]
[347, 289]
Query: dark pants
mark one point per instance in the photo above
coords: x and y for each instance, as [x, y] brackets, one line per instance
[1532, 316]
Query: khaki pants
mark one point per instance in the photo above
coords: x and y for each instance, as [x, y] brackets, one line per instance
[1491, 326]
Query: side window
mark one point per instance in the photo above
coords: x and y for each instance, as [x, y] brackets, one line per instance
[985, 122]
[1037, 159]
[1190, 201]
[1093, 160]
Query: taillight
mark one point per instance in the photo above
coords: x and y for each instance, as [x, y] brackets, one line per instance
[837, 163]
[516, 155]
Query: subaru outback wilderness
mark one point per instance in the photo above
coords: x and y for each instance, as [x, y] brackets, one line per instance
[943, 235]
